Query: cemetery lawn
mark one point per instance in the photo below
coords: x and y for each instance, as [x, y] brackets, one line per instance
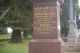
[7, 47]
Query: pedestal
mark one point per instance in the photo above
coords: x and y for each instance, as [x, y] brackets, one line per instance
[46, 46]
[46, 27]
[73, 33]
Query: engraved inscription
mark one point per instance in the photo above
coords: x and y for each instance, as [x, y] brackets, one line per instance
[43, 19]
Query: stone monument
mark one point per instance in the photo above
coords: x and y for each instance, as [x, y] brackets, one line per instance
[73, 31]
[46, 27]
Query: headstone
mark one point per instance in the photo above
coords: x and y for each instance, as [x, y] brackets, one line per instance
[73, 31]
[22, 34]
[46, 27]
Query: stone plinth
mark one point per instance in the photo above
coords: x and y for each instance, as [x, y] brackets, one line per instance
[72, 47]
[46, 27]
[46, 46]
[73, 33]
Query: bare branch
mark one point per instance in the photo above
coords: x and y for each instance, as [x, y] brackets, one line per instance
[5, 12]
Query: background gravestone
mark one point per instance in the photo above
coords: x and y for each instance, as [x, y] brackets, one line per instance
[73, 30]
[46, 27]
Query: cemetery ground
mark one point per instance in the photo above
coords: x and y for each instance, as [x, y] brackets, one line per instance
[7, 47]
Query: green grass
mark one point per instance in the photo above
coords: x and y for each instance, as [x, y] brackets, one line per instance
[5, 36]
[7, 47]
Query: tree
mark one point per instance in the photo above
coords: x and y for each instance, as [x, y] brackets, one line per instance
[64, 20]
[65, 17]
[14, 15]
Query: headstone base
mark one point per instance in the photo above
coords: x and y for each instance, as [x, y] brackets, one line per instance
[72, 47]
[72, 34]
[46, 46]
[72, 38]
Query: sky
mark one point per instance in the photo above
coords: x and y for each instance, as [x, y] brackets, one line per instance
[79, 6]
[79, 2]
[9, 30]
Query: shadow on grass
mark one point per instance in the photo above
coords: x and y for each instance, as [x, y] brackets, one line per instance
[1, 40]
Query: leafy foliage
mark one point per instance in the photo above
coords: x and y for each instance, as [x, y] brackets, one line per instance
[21, 10]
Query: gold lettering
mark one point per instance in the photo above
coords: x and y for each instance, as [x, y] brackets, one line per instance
[44, 19]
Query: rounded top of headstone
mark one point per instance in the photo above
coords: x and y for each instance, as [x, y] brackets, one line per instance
[61, 2]
[48, 1]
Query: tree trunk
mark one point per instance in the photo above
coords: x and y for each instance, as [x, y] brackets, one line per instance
[25, 34]
[16, 36]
